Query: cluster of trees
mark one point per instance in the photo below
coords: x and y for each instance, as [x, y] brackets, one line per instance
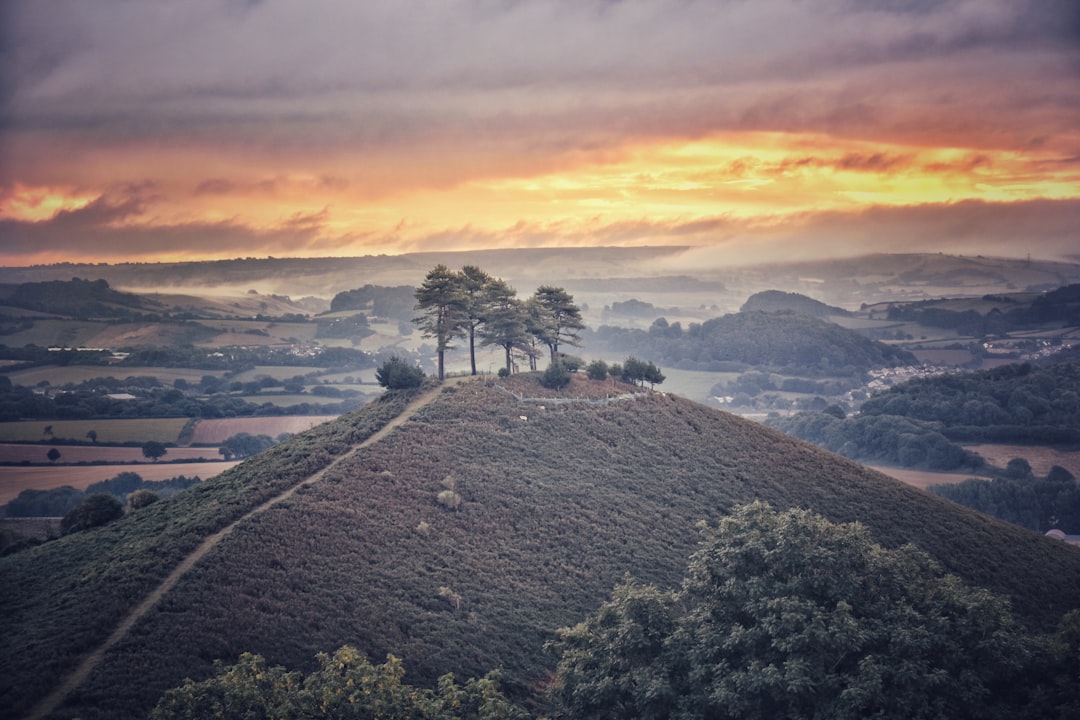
[633, 371]
[789, 615]
[242, 445]
[888, 439]
[391, 303]
[1019, 497]
[1017, 402]
[209, 398]
[58, 502]
[779, 342]
[79, 298]
[472, 304]
[1057, 306]
[345, 686]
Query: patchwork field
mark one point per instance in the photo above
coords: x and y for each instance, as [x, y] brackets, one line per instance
[13, 480]
[220, 430]
[71, 454]
[137, 430]
[57, 375]
[1040, 458]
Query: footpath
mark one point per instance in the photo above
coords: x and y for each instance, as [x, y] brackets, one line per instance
[53, 700]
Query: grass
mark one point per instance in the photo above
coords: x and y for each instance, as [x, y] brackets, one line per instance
[555, 509]
[140, 430]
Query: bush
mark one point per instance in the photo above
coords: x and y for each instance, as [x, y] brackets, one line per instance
[555, 377]
[597, 370]
[96, 510]
[398, 374]
[141, 498]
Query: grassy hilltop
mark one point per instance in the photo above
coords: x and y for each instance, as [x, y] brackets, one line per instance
[459, 542]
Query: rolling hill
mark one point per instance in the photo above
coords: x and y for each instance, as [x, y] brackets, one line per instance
[497, 512]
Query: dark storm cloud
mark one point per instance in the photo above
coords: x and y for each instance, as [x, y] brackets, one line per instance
[370, 72]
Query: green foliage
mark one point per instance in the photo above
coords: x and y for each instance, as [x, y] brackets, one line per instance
[80, 298]
[777, 301]
[597, 370]
[440, 299]
[242, 445]
[556, 376]
[886, 439]
[398, 374]
[775, 342]
[558, 319]
[789, 615]
[1039, 504]
[1012, 403]
[141, 498]
[95, 510]
[53, 455]
[153, 449]
[640, 372]
[346, 686]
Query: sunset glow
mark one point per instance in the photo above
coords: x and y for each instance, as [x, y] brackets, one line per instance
[652, 123]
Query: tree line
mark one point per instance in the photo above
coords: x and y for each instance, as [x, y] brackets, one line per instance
[472, 305]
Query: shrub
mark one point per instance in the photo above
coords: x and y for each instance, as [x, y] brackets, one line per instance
[555, 377]
[449, 499]
[95, 510]
[398, 374]
[597, 370]
[141, 498]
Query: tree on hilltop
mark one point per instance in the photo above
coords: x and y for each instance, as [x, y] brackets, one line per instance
[440, 299]
[507, 323]
[558, 319]
[399, 374]
[475, 309]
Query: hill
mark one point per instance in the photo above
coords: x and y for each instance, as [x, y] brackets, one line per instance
[459, 542]
[777, 342]
[772, 301]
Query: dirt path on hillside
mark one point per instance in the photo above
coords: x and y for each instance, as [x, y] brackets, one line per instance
[54, 699]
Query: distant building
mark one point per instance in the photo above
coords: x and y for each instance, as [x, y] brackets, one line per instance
[1060, 535]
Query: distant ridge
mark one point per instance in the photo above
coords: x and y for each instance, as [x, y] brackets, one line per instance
[460, 541]
[772, 301]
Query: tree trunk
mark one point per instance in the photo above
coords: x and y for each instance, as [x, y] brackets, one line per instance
[472, 347]
[441, 352]
[509, 368]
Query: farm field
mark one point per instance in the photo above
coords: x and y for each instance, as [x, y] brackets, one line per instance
[138, 430]
[71, 454]
[923, 479]
[57, 375]
[1040, 458]
[220, 430]
[13, 480]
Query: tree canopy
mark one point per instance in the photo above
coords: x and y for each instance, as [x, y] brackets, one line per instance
[790, 615]
[346, 685]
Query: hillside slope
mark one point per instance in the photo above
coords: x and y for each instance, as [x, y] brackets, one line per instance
[462, 540]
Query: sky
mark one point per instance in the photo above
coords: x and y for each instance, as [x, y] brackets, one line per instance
[158, 130]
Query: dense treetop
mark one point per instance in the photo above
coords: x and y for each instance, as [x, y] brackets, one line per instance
[779, 342]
